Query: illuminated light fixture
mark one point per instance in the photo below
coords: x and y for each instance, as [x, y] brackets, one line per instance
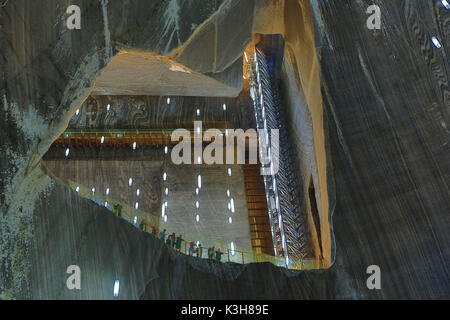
[229, 172]
[198, 112]
[230, 220]
[198, 130]
[287, 261]
[197, 204]
[108, 107]
[135, 220]
[197, 191]
[246, 58]
[136, 205]
[232, 248]
[77, 112]
[226, 132]
[67, 152]
[93, 189]
[163, 210]
[197, 218]
[107, 191]
[228, 193]
[224, 107]
[197, 243]
[138, 192]
[66, 136]
[165, 218]
[166, 150]
[229, 206]
[166, 191]
[165, 204]
[102, 139]
[134, 145]
[164, 176]
[77, 189]
[168, 100]
[106, 203]
[199, 160]
[130, 182]
[436, 42]
[199, 181]
[446, 4]
[232, 205]
[116, 288]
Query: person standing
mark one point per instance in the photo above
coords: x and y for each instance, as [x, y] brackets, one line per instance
[219, 255]
[162, 235]
[172, 240]
[211, 252]
[191, 248]
[199, 250]
[178, 243]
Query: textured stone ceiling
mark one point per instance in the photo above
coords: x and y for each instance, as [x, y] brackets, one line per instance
[134, 73]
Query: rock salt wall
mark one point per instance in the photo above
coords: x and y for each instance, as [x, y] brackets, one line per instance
[386, 126]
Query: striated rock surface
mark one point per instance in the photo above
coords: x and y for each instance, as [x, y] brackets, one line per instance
[383, 191]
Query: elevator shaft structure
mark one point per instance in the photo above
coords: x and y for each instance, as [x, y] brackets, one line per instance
[288, 223]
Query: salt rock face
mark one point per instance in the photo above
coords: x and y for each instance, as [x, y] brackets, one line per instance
[379, 118]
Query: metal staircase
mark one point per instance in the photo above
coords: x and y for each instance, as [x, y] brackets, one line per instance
[288, 223]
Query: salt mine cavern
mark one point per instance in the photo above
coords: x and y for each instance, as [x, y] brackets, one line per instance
[224, 150]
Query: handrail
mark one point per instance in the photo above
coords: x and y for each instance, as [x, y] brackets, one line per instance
[151, 137]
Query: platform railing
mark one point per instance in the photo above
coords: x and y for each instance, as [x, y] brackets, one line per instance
[149, 223]
[128, 212]
[123, 137]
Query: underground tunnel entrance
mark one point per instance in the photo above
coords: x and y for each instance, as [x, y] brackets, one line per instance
[118, 151]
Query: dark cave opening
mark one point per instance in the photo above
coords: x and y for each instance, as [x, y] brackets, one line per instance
[315, 213]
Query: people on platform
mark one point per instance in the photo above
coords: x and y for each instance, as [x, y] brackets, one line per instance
[174, 241]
